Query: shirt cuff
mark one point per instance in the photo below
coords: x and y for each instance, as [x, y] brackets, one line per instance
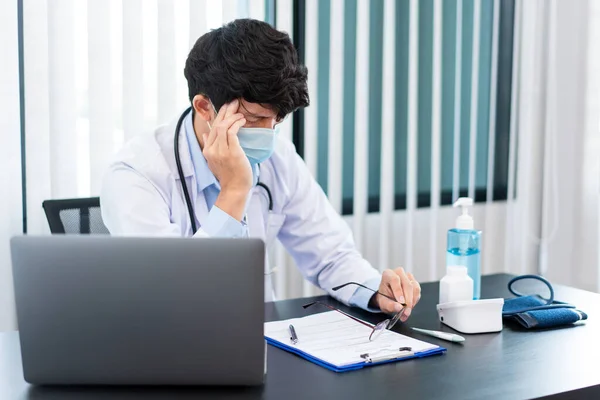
[221, 224]
[362, 296]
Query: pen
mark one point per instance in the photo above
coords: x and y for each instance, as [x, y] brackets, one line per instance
[293, 336]
[451, 337]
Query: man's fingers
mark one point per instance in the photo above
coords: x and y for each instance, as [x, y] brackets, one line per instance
[220, 130]
[226, 116]
[416, 289]
[218, 133]
[229, 121]
[387, 306]
[232, 138]
[408, 293]
[406, 287]
[211, 137]
[220, 113]
[231, 109]
[393, 282]
[221, 141]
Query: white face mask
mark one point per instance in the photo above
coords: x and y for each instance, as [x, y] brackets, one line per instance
[258, 143]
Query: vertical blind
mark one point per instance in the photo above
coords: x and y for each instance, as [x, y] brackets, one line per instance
[417, 81]
[410, 108]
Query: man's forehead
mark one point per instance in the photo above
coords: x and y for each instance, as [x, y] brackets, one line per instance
[256, 109]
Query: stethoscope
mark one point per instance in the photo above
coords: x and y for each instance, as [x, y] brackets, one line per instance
[550, 302]
[186, 194]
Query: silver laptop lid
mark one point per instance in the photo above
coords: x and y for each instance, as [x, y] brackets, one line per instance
[114, 310]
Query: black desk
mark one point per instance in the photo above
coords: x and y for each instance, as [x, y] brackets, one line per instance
[514, 364]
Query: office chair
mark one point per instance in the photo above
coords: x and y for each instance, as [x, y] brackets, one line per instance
[75, 216]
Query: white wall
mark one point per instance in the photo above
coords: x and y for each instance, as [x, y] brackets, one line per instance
[592, 166]
[10, 156]
[591, 161]
[560, 98]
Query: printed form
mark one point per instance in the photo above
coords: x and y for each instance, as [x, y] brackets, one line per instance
[341, 341]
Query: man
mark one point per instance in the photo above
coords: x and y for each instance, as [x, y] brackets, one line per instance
[223, 172]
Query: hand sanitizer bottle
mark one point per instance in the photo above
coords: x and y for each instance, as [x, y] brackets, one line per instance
[464, 245]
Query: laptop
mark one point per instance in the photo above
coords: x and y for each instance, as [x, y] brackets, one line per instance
[107, 310]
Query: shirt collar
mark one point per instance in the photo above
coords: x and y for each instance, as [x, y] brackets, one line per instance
[204, 176]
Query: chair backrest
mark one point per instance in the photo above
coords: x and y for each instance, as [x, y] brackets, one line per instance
[75, 216]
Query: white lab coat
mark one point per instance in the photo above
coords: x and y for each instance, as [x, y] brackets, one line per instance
[142, 196]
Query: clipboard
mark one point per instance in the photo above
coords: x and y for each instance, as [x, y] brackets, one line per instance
[402, 347]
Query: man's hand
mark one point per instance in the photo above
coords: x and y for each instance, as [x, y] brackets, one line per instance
[227, 160]
[401, 286]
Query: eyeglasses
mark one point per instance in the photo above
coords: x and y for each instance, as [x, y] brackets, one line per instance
[376, 330]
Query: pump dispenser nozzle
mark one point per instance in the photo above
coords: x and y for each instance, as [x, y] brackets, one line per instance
[464, 221]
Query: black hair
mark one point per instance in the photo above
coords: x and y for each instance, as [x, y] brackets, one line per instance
[248, 59]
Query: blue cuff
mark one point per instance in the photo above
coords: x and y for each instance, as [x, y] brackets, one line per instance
[221, 224]
[361, 297]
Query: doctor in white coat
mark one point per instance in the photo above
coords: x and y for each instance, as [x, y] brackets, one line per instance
[228, 173]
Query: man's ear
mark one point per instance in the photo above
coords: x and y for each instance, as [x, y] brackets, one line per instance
[203, 107]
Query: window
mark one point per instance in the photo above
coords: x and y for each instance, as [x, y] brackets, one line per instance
[452, 17]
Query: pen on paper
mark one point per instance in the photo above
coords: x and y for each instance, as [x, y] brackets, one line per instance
[293, 336]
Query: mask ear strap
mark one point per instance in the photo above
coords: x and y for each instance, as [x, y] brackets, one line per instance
[213, 106]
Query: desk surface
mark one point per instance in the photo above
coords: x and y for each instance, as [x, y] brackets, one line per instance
[513, 364]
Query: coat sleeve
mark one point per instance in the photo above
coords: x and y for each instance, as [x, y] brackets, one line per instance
[317, 237]
[131, 205]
